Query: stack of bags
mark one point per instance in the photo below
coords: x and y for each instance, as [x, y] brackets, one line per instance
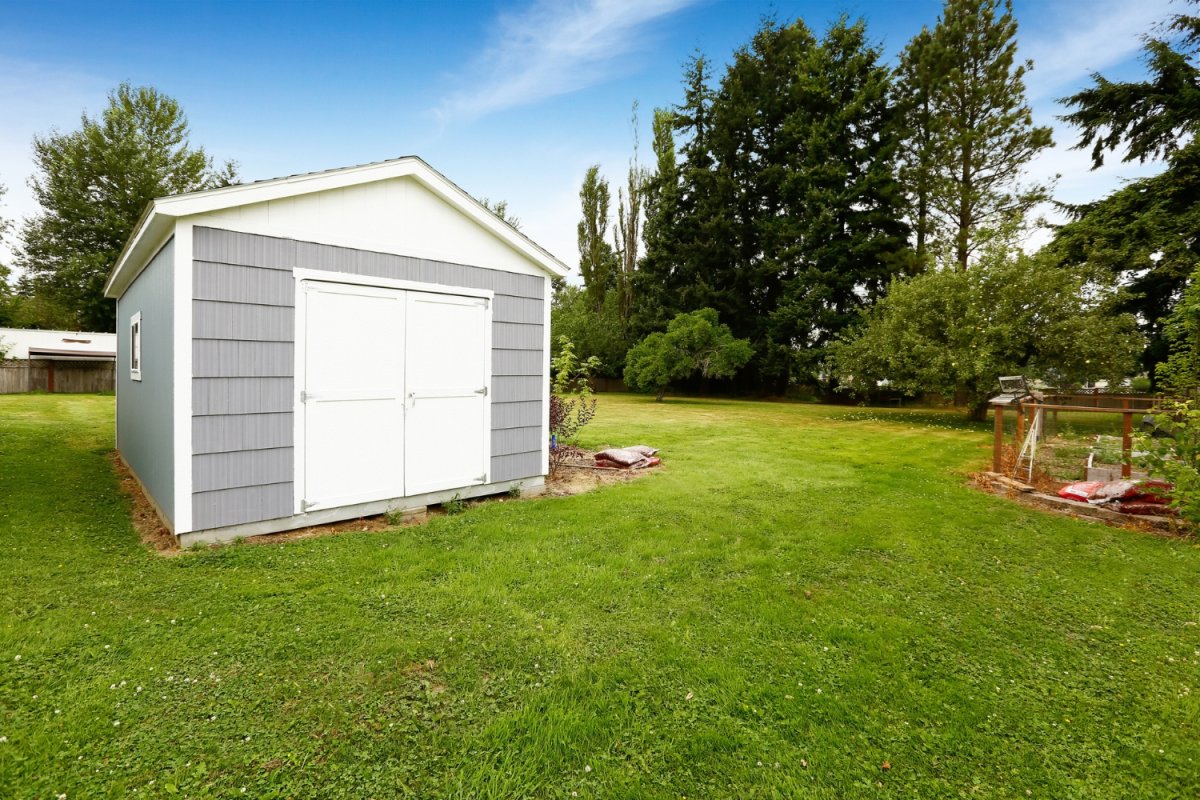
[1139, 496]
[637, 457]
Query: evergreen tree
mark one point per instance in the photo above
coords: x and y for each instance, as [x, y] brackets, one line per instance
[849, 237]
[686, 243]
[1144, 234]
[962, 82]
[785, 213]
[93, 185]
[652, 283]
[1152, 118]
[597, 261]
[916, 77]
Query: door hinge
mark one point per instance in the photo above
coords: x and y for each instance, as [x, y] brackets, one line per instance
[305, 505]
[482, 478]
[303, 397]
[483, 391]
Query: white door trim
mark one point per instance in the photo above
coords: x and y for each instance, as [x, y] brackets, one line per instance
[299, 372]
[326, 276]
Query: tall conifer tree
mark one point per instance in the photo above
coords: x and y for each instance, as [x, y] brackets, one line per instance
[971, 131]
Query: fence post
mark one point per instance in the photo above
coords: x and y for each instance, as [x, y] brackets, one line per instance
[1126, 440]
[1020, 425]
[998, 438]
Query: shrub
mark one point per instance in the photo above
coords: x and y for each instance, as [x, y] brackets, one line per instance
[1176, 457]
[694, 342]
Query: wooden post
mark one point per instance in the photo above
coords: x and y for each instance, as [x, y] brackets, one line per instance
[1020, 425]
[1126, 441]
[998, 440]
[50, 377]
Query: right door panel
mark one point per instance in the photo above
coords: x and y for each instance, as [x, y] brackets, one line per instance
[446, 375]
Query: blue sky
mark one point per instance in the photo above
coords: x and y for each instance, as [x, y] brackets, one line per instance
[510, 100]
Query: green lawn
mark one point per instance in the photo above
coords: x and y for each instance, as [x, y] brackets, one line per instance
[802, 594]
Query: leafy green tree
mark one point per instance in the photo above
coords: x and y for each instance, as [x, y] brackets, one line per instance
[971, 131]
[1179, 374]
[627, 236]
[6, 294]
[500, 209]
[1144, 234]
[694, 342]
[93, 185]
[595, 334]
[597, 261]
[950, 331]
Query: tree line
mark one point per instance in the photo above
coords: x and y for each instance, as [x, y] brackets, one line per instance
[808, 214]
[809, 180]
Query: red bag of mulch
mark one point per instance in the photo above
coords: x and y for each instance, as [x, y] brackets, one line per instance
[622, 457]
[1080, 492]
[1114, 490]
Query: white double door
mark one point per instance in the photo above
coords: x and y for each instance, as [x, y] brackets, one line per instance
[393, 393]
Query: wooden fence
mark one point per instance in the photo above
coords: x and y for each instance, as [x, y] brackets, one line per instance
[36, 375]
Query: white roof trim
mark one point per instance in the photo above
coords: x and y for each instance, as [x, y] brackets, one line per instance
[160, 214]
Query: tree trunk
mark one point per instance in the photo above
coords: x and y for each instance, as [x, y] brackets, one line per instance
[662, 390]
[977, 410]
[962, 241]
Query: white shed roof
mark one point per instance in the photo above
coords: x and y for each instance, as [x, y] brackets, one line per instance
[162, 212]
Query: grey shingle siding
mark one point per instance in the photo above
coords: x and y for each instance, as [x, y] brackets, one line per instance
[243, 361]
[145, 412]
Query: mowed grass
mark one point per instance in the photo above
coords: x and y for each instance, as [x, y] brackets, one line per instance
[805, 602]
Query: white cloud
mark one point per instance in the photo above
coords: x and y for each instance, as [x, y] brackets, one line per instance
[551, 49]
[1084, 39]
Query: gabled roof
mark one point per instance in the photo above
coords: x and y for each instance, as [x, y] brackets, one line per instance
[161, 213]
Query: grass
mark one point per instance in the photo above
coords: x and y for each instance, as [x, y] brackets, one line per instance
[803, 594]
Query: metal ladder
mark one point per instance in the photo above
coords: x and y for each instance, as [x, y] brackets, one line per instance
[1028, 452]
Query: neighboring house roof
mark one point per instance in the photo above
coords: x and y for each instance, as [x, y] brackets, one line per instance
[161, 213]
[26, 343]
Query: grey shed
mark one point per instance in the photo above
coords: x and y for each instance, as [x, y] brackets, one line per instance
[326, 346]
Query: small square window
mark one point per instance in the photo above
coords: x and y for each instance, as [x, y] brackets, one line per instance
[135, 346]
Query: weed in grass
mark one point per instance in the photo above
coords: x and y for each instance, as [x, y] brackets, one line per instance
[455, 505]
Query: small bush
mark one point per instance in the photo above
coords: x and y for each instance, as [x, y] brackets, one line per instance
[1176, 457]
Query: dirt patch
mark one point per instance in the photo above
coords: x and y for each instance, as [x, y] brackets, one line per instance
[577, 476]
[146, 521]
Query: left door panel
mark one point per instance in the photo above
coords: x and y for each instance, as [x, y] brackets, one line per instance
[352, 394]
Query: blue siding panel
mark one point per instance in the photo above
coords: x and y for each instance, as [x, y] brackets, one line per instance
[145, 408]
[244, 327]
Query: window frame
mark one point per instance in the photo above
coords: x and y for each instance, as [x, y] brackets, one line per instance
[135, 347]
